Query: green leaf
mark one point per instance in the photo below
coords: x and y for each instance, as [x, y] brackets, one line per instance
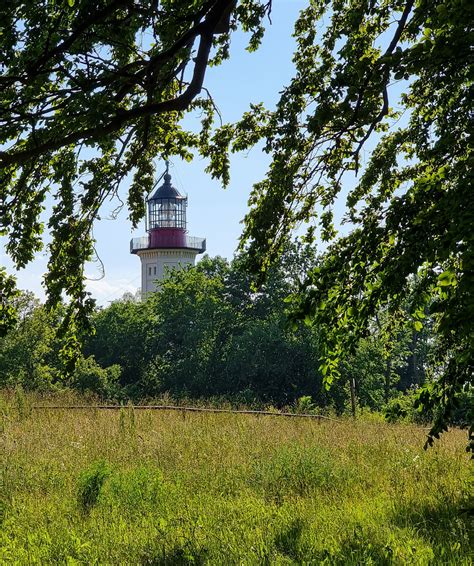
[447, 279]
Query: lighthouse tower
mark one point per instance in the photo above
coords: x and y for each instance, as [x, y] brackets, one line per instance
[167, 245]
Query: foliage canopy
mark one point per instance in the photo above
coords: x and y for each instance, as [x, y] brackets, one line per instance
[91, 92]
[207, 335]
[381, 101]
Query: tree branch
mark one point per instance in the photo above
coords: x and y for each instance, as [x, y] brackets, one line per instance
[90, 21]
[395, 39]
[204, 29]
[386, 73]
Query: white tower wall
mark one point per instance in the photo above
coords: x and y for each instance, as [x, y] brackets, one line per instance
[157, 262]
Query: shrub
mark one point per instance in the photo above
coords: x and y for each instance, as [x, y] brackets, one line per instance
[404, 408]
[89, 376]
[304, 404]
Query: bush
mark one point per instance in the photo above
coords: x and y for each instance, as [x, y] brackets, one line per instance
[304, 405]
[89, 376]
[403, 408]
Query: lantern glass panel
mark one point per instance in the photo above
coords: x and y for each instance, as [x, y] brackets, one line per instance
[167, 213]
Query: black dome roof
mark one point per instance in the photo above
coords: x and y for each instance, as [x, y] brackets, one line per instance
[166, 190]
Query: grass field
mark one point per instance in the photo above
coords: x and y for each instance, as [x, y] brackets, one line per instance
[144, 487]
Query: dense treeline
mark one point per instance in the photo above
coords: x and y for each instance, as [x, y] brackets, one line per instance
[207, 333]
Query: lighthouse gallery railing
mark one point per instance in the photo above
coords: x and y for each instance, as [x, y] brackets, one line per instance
[191, 243]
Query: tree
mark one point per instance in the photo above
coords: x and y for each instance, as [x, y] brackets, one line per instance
[122, 335]
[91, 92]
[193, 324]
[213, 335]
[8, 295]
[27, 350]
[206, 333]
[89, 376]
[392, 81]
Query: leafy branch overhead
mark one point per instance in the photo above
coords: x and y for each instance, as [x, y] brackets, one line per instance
[379, 112]
[91, 92]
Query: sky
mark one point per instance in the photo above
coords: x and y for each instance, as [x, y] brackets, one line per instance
[213, 213]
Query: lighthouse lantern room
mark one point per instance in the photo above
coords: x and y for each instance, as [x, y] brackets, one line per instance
[167, 245]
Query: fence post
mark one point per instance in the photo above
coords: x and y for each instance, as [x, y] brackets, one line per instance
[352, 384]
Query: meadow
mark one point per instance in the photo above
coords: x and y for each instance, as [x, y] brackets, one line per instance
[161, 487]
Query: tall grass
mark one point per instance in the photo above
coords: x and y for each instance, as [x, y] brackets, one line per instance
[144, 487]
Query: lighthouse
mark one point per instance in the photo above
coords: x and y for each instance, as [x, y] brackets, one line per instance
[167, 244]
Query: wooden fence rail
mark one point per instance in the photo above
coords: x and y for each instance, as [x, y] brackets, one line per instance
[186, 409]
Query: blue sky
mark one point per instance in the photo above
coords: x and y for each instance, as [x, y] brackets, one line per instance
[213, 213]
